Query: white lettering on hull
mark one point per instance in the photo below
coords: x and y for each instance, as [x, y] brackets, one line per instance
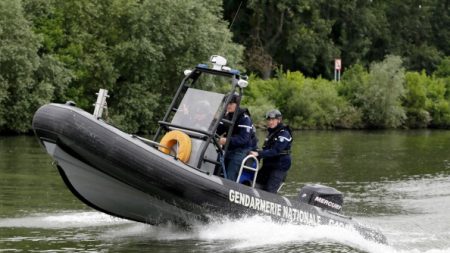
[285, 212]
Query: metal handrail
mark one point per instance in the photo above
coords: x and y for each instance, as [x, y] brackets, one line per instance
[255, 170]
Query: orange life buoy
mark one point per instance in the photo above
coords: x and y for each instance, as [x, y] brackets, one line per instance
[184, 144]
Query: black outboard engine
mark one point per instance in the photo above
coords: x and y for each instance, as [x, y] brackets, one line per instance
[322, 196]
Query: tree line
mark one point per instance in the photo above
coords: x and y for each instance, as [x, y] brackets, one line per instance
[307, 35]
[395, 55]
[383, 96]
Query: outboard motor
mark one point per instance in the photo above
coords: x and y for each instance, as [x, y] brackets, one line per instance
[322, 196]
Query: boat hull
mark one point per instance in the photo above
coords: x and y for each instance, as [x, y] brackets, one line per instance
[115, 173]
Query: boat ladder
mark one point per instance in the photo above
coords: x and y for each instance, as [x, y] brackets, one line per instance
[248, 171]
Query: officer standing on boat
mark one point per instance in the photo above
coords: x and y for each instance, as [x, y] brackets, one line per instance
[243, 138]
[275, 153]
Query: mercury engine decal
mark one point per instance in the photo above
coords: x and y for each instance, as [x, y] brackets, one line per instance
[328, 203]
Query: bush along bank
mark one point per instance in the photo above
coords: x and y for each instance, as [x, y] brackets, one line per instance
[383, 96]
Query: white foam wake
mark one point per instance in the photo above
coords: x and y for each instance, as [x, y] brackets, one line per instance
[259, 231]
[247, 233]
[237, 235]
[256, 232]
[62, 220]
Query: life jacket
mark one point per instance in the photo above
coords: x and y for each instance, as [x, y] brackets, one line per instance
[273, 138]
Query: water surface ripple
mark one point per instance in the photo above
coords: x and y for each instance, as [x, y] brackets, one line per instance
[396, 181]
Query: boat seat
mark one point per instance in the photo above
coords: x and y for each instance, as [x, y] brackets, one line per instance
[248, 171]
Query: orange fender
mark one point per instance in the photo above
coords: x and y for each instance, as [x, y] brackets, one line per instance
[184, 144]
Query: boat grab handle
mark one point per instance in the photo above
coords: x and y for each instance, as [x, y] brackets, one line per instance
[166, 125]
[148, 142]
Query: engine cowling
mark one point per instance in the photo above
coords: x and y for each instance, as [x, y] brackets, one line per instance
[322, 196]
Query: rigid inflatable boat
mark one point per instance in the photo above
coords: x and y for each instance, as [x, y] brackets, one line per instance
[178, 176]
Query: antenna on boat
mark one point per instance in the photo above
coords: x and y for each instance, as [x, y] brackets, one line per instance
[235, 15]
[229, 27]
[101, 103]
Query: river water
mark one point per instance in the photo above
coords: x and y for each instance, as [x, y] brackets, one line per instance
[396, 181]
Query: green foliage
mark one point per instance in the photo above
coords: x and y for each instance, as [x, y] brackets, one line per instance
[437, 104]
[415, 100]
[164, 39]
[376, 94]
[304, 102]
[354, 83]
[135, 49]
[283, 33]
[443, 72]
[24, 85]
[319, 106]
[258, 109]
[443, 69]
[54, 50]
[308, 40]
[383, 93]
[381, 97]
[307, 35]
[259, 97]
[136, 110]
[278, 91]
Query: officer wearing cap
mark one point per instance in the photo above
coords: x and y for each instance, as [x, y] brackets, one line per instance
[242, 140]
[275, 153]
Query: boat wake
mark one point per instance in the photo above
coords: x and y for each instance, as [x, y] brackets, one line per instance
[63, 220]
[249, 233]
[245, 234]
[255, 233]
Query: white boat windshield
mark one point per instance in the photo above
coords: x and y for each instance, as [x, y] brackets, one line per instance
[198, 109]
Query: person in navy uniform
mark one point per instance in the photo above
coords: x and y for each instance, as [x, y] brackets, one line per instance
[275, 153]
[243, 138]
